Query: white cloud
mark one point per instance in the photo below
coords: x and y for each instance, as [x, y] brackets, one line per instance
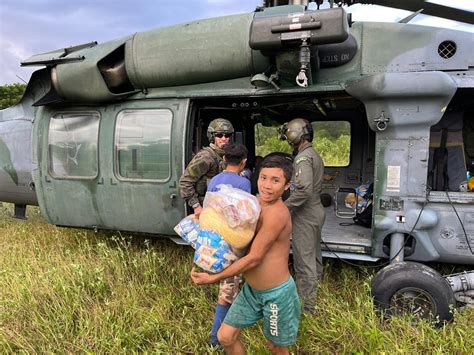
[459, 4]
[383, 14]
[10, 70]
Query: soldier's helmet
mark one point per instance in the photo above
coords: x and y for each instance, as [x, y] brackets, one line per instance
[295, 130]
[219, 125]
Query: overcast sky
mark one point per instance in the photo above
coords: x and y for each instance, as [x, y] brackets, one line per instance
[29, 27]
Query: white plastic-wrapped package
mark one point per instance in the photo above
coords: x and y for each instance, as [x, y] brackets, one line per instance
[188, 229]
[232, 213]
[212, 252]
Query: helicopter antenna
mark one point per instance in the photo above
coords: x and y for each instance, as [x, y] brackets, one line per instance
[409, 18]
[19, 77]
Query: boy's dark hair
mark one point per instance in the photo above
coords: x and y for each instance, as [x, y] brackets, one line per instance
[257, 160]
[279, 161]
[234, 153]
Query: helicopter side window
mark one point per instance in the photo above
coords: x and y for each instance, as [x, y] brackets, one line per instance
[447, 161]
[72, 145]
[142, 144]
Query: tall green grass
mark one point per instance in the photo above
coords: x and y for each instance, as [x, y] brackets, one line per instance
[73, 290]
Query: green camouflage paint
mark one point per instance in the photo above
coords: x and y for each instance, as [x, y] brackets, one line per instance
[6, 162]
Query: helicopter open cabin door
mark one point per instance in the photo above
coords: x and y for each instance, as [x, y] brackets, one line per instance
[114, 167]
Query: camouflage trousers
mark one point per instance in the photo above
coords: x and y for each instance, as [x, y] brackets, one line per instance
[228, 290]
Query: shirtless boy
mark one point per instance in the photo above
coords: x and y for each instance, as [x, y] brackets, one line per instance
[269, 291]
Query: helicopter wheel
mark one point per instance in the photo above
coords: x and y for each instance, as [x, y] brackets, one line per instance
[407, 288]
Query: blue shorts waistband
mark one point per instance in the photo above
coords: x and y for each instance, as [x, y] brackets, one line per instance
[274, 288]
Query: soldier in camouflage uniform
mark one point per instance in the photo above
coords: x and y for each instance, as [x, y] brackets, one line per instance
[307, 213]
[206, 164]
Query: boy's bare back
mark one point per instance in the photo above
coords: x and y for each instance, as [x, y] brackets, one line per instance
[274, 223]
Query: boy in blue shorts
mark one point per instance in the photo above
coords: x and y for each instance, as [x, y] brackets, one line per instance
[235, 157]
[269, 291]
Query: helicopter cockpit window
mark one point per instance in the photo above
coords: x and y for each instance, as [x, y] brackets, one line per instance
[72, 145]
[142, 144]
[332, 139]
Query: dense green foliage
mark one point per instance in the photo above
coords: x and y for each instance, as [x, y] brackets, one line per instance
[10, 94]
[331, 139]
[76, 291]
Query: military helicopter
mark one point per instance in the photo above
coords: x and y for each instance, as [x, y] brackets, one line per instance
[104, 131]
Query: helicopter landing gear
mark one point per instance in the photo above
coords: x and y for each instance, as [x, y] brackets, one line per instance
[408, 288]
[462, 285]
[20, 212]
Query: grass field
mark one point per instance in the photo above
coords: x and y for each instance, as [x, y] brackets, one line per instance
[72, 290]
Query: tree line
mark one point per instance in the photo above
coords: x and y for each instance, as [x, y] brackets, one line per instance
[331, 139]
[10, 94]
